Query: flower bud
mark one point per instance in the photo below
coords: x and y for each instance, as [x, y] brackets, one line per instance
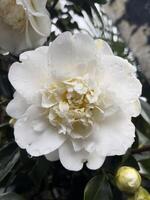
[128, 179]
[141, 194]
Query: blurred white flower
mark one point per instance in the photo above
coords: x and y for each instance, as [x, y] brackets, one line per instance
[74, 101]
[24, 24]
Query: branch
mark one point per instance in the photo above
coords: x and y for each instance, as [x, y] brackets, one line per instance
[141, 149]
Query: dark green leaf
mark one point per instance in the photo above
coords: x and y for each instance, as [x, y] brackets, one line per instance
[10, 196]
[130, 161]
[146, 165]
[98, 188]
[142, 126]
[9, 155]
[142, 140]
[145, 111]
[40, 170]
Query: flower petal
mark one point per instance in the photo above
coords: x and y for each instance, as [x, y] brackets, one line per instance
[33, 7]
[53, 156]
[41, 25]
[70, 159]
[37, 118]
[133, 109]
[95, 161]
[75, 58]
[17, 107]
[36, 143]
[118, 76]
[31, 75]
[74, 160]
[6, 42]
[46, 143]
[24, 134]
[113, 135]
[103, 48]
[38, 16]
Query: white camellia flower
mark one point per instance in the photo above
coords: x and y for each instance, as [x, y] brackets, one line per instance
[24, 24]
[74, 101]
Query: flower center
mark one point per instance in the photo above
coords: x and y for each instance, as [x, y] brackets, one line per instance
[12, 14]
[70, 103]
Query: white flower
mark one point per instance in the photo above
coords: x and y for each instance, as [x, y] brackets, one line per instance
[24, 24]
[74, 101]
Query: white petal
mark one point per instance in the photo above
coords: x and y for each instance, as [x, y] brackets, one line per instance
[38, 16]
[36, 143]
[17, 107]
[34, 112]
[133, 109]
[77, 144]
[73, 160]
[118, 76]
[80, 131]
[24, 134]
[72, 56]
[53, 156]
[46, 143]
[30, 76]
[70, 159]
[95, 161]
[37, 118]
[114, 135]
[38, 55]
[39, 124]
[41, 25]
[103, 48]
[7, 43]
[36, 7]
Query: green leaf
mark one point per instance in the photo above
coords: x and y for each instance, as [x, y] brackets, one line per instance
[146, 165]
[10, 196]
[145, 111]
[130, 161]
[40, 171]
[143, 140]
[9, 155]
[142, 126]
[98, 188]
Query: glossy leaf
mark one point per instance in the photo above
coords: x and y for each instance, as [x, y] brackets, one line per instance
[145, 111]
[142, 126]
[130, 161]
[146, 165]
[39, 171]
[9, 156]
[98, 188]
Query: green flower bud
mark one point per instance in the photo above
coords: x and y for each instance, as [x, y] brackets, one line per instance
[141, 194]
[128, 179]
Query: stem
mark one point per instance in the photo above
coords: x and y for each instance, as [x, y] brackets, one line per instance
[141, 149]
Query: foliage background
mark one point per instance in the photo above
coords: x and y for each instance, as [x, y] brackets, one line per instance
[23, 177]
